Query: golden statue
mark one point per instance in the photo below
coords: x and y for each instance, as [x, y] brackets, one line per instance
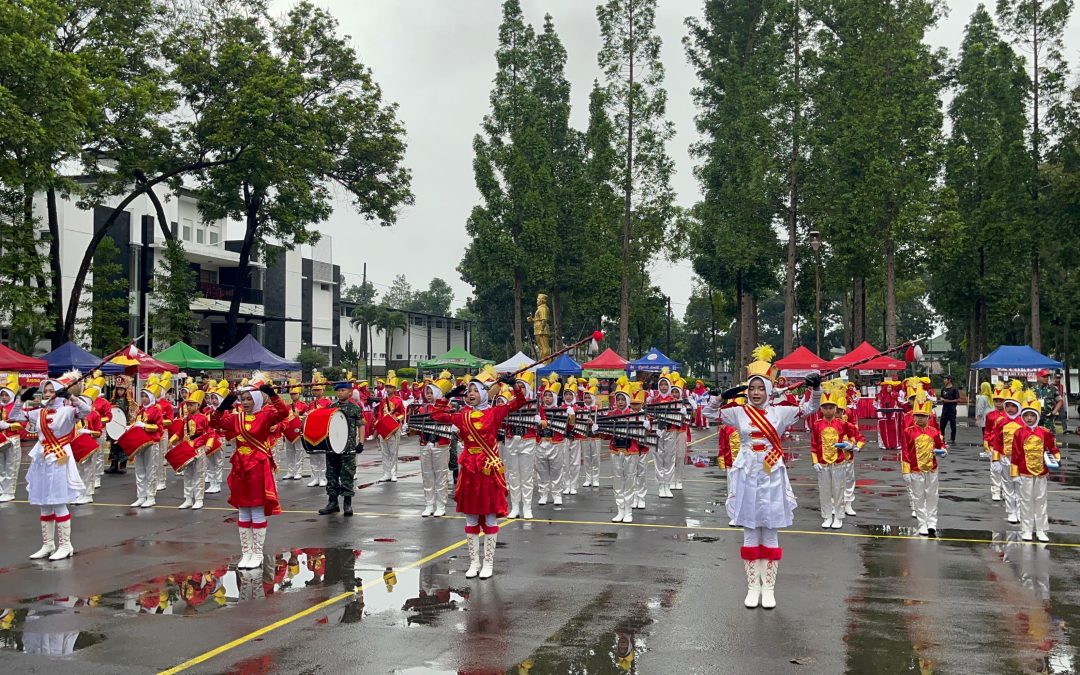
[541, 321]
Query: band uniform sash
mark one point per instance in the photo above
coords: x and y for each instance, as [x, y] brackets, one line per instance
[761, 421]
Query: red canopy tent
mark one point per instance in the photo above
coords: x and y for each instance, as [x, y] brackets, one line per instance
[13, 361]
[136, 360]
[801, 359]
[861, 352]
[608, 360]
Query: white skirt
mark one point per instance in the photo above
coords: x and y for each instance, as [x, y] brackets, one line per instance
[756, 498]
[49, 483]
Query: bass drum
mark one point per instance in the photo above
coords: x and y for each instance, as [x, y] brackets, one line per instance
[325, 430]
[116, 426]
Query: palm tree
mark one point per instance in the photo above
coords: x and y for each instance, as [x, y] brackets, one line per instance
[392, 321]
[366, 317]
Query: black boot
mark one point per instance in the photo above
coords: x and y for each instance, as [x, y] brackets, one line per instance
[331, 506]
[348, 506]
[113, 468]
[123, 467]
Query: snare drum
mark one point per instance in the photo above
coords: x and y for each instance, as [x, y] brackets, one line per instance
[325, 430]
[292, 428]
[83, 447]
[180, 455]
[116, 426]
[386, 425]
[134, 440]
[211, 441]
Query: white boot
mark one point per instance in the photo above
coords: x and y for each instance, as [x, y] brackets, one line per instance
[258, 539]
[322, 477]
[837, 522]
[628, 516]
[827, 523]
[526, 510]
[430, 509]
[187, 498]
[150, 501]
[514, 511]
[619, 515]
[474, 555]
[197, 505]
[489, 556]
[314, 478]
[63, 541]
[768, 584]
[48, 545]
[753, 583]
[246, 539]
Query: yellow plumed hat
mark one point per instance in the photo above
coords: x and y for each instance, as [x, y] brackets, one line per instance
[91, 392]
[922, 405]
[197, 396]
[487, 375]
[637, 392]
[1030, 401]
[829, 396]
[529, 378]
[762, 366]
[1015, 392]
[571, 383]
[1001, 392]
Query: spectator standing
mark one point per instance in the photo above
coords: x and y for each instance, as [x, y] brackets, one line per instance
[949, 397]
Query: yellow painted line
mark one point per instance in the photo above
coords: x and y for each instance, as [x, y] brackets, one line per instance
[825, 533]
[359, 514]
[206, 656]
[703, 438]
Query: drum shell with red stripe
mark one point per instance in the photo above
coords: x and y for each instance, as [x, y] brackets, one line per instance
[134, 440]
[211, 441]
[83, 447]
[180, 455]
[292, 428]
[386, 425]
[325, 430]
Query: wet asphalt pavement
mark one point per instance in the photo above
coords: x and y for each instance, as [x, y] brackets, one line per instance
[152, 589]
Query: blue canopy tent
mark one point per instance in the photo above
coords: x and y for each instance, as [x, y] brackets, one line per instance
[70, 356]
[248, 354]
[652, 362]
[564, 365]
[1017, 357]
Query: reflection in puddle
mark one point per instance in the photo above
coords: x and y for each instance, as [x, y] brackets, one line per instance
[32, 631]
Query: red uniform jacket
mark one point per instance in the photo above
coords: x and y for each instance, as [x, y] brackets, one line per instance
[168, 412]
[428, 408]
[251, 480]
[825, 434]
[993, 418]
[194, 428]
[1028, 446]
[1002, 439]
[151, 418]
[917, 455]
[104, 409]
[729, 446]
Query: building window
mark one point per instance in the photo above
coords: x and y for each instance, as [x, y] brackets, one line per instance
[213, 237]
[187, 229]
[208, 276]
[199, 236]
[324, 287]
[419, 321]
[438, 323]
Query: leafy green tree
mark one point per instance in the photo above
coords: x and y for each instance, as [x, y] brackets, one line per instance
[989, 172]
[1039, 26]
[365, 317]
[311, 359]
[310, 116]
[175, 286]
[389, 322]
[361, 294]
[435, 300]
[23, 286]
[106, 310]
[629, 58]
[349, 356]
[400, 295]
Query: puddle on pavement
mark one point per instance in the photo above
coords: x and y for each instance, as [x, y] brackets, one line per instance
[32, 631]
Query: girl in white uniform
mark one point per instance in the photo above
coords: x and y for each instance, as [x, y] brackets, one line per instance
[53, 479]
[760, 499]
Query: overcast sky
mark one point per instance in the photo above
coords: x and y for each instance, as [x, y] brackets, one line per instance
[435, 58]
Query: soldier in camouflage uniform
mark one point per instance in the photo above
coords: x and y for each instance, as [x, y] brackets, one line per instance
[1051, 400]
[341, 468]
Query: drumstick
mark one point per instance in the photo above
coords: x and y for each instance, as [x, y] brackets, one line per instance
[596, 337]
[835, 371]
[105, 360]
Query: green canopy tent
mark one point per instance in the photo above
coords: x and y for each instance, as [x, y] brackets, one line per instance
[456, 358]
[187, 357]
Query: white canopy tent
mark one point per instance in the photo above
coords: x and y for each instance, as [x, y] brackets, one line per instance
[514, 363]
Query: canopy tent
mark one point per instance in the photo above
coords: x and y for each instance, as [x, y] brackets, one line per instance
[136, 360]
[248, 354]
[187, 357]
[457, 357]
[802, 359]
[1016, 357]
[564, 365]
[608, 364]
[13, 361]
[863, 351]
[654, 361]
[514, 363]
[70, 356]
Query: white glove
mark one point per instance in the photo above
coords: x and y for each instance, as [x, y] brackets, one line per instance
[404, 428]
[141, 425]
[647, 424]
[536, 419]
[4, 426]
[595, 427]
[819, 468]
[82, 432]
[841, 446]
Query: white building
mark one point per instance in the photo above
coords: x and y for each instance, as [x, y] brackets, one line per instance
[425, 336]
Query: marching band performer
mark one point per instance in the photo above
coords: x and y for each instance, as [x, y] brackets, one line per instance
[1002, 443]
[637, 404]
[434, 454]
[168, 414]
[922, 444]
[317, 460]
[341, 467]
[481, 489]
[392, 407]
[251, 481]
[214, 443]
[149, 418]
[91, 426]
[700, 396]
[104, 410]
[625, 456]
[590, 445]
[193, 427]
[888, 436]
[664, 462]
[53, 480]
[851, 416]
[10, 441]
[1031, 446]
[830, 438]
[728, 452]
[294, 449]
[117, 459]
[549, 449]
[761, 500]
[572, 443]
[519, 450]
[994, 418]
[682, 439]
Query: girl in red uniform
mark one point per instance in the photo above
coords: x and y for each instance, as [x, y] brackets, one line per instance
[251, 480]
[481, 488]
